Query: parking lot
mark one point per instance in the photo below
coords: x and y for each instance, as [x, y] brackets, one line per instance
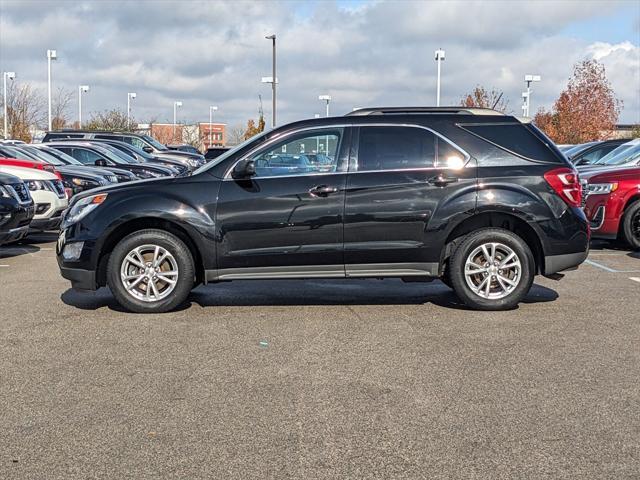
[319, 379]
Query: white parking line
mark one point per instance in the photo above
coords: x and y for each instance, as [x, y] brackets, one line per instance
[4, 266]
[635, 279]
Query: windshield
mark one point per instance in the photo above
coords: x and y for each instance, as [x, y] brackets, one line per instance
[618, 155]
[154, 142]
[63, 157]
[106, 153]
[627, 155]
[256, 138]
[578, 148]
[17, 153]
[44, 156]
[116, 152]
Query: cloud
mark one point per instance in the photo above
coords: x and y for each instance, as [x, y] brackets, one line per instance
[206, 52]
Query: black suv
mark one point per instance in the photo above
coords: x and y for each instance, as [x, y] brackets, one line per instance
[471, 196]
[16, 209]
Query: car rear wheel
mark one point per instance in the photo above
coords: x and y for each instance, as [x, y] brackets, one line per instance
[631, 225]
[492, 269]
[150, 271]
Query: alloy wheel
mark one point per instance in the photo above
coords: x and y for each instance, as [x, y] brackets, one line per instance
[149, 273]
[635, 225]
[493, 271]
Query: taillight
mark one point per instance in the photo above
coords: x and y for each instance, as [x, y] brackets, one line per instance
[566, 183]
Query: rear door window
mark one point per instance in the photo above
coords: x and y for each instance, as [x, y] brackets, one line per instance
[404, 148]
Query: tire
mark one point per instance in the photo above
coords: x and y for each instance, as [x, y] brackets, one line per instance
[508, 286]
[631, 225]
[150, 289]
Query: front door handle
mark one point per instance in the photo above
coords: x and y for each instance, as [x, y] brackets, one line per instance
[441, 180]
[322, 190]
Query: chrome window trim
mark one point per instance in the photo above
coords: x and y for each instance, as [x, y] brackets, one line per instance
[278, 137]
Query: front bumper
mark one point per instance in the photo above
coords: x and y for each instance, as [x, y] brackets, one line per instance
[14, 234]
[51, 223]
[80, 279]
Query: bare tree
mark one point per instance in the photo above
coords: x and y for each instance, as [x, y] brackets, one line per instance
[483, 98]
[110, 120]
[235, 135]
[61, 104]
[26, 110]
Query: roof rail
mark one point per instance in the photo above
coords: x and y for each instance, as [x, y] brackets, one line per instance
[408, 110]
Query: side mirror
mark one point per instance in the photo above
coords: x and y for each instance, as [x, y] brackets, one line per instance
[244, 169]
[147, 149]
[101, 162]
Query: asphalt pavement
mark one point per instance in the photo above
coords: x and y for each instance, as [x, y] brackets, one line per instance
[320, 379]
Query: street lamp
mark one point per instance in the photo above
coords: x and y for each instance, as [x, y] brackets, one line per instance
[274, 80]
[81, 89]
[175, 116]
[526, 96]
[212, 108]
[51, 55]
[439, 58]
[10, 76]
[130, 96]
[326, 98]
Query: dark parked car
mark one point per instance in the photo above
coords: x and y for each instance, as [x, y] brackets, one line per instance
[75, 179]
[471, 196]
[181, 166]
[16, 209]
[144, 142]
[593, 152]
[215, 152]
[90, 154]
[183, 147]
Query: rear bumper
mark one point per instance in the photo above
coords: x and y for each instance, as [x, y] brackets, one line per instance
[80, 279]
[559, 263]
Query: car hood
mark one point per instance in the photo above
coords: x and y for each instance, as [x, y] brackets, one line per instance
[6, 179]
[27, 173]
[611, 174]
[82, 172]
[124, 187]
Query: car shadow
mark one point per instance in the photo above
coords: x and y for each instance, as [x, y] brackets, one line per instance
[28, 245]
[258, 293]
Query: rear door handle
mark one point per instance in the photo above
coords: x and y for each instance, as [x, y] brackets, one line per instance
[322, 190]
[441, 180]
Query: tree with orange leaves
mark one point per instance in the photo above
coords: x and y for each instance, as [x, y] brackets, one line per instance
[586, 110]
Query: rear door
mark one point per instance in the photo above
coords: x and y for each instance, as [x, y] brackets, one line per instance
[401, 178]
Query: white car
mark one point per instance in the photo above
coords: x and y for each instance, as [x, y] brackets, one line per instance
[48, 193]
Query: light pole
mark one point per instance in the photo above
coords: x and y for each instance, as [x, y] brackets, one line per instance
[212, 108]
[526, 96]
[274, 80]
[317, 115]
[10, 76]
[51, 55]
[439, 59]
[81, 89]
[130, 96]
[326, 98]
[175, 117]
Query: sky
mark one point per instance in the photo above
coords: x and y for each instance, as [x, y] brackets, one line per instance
[362, 53]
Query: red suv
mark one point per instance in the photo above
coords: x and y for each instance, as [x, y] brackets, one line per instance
[612, 203]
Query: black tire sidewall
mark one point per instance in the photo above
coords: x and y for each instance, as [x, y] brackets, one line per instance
[632, 211]
[179, 251]
[474, 240]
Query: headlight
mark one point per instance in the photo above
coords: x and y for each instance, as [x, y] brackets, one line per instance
[36, 185]
[4, 192]
[82, 207]
[151, 174]
[601, 188]
[80, 182]
[123, 178]
[193, 163]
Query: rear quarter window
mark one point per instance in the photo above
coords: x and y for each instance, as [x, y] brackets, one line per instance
[515, 138]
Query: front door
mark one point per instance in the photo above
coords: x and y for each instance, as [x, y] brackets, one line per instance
[403, 187]
[287, 220]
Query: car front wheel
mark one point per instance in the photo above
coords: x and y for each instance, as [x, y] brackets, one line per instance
[492, 269]
[150, 271]
[631, 225]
